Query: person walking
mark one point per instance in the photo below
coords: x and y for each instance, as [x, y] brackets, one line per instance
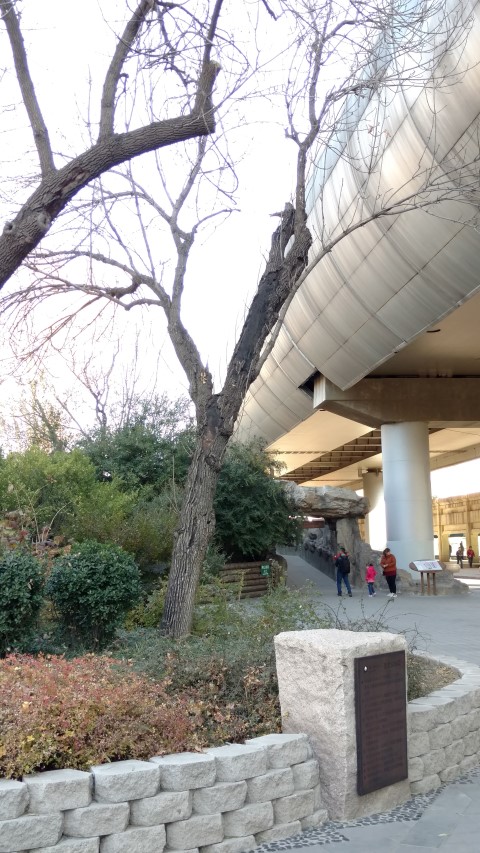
[470, 555]
[459, 556]
[370, 576]
[342, 565]
[388, 563]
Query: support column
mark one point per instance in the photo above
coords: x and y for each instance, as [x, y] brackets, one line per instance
[375, 527]
[407, 490]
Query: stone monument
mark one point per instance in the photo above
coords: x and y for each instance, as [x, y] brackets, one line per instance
[317, 696]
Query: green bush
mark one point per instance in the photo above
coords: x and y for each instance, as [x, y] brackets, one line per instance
[21, 583]
[252, 510]
[91, 589]
[47, 488]
[148, 532]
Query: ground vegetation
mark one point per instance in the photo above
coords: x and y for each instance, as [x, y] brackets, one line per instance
[151, 695]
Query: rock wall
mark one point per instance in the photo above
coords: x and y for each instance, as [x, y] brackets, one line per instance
[444, 730]
[316, 686]
[225, 800]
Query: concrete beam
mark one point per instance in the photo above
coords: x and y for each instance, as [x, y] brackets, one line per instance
[439, 402]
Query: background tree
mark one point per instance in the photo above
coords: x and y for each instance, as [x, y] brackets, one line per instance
[152, 447]
[337, 60]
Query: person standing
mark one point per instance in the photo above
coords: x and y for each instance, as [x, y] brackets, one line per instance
[342, 565]
[388, 563]
[470, 555]
[370, 576]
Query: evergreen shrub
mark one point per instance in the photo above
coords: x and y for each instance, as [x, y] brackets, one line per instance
[252, 509]
[91, 589]
[21, 583]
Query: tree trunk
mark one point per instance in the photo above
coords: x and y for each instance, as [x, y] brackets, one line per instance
[194, 532]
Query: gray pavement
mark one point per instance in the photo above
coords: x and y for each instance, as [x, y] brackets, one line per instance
[447, 820]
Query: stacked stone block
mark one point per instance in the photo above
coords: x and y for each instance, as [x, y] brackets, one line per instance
[444, 731]
[224, 800]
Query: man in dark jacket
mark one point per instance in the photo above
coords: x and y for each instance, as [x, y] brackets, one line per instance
[342, 564]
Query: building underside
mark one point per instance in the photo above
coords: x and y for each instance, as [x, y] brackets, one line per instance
[384, 331]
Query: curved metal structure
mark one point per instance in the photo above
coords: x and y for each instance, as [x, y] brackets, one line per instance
[365, 308]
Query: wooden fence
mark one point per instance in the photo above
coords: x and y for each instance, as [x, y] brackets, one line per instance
[253, 579]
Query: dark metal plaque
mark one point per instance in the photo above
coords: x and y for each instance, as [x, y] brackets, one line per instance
[381, 721]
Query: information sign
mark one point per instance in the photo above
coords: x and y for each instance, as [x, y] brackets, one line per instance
[381, 721]
[426, 566]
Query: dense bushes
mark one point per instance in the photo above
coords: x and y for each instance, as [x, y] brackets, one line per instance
[21, 582]
[91, 590]
[56, 713]
[202, 691]
[214, 687]
[59, 495]
[252, 510]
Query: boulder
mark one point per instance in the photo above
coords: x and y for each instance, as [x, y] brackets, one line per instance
[324, 501]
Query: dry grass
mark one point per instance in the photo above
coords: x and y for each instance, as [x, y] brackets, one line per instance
[426, 675]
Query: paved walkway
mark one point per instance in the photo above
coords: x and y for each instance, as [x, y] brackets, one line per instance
[447, 820]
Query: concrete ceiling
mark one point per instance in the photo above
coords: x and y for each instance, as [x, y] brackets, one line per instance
[330, 450]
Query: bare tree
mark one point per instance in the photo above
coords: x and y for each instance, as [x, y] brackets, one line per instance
[154, 36]
[344, 63]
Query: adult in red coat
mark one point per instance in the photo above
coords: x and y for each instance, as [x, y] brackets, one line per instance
[388, 563]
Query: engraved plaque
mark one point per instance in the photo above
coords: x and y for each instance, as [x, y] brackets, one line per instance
[381, 721]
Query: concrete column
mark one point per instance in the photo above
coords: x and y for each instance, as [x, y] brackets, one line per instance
[407, 490]
[375, 527]
[444, 553]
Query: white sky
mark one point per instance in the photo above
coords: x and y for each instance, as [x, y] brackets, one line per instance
[230, 261]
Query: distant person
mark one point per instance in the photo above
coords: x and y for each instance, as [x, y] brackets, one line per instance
[370, 576]
[449, 551]
[342, 564]
[459, 556]
[388, 563]
[470, 555]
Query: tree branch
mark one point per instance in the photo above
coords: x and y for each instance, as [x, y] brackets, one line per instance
[125, 42]
[39, 128]
[23, 233]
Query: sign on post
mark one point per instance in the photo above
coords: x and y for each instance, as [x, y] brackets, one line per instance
[426, 566]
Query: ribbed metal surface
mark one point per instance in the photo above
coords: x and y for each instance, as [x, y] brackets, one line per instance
[385, 284]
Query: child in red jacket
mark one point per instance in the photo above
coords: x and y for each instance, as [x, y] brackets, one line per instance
[370, 576]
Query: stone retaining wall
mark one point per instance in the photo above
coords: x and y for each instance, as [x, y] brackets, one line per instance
[225, 800]
[444, 730]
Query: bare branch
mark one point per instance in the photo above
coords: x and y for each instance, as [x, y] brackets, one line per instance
[39, 128]
[122, 51]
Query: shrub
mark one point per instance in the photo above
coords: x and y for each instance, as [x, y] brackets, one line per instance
[91, 590]
[253, 512]
[47, 488]
[148, 532]
[56, 713]
[230, 669]
[21, 582]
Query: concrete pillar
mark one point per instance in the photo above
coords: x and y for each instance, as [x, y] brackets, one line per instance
[375, 527]
[407, 491]
[443, 544]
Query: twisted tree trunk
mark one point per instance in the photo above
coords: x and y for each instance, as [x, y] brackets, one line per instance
[217, 414]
